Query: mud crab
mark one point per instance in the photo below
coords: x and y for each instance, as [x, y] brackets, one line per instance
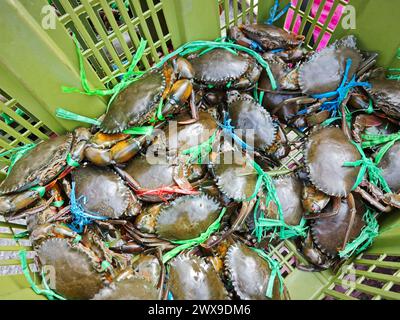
[221, 69]
[245, 114]
[82, 266]
[340, 223]
[193, 215]
[239, 259]
[38, 170]
[266, 37]
[192, 278]
[104, 192]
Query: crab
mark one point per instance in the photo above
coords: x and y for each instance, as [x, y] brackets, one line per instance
[267, 138]
[137, 103]
[81, 266]
[325, 153]
[340, 223]
[185, 218]
[219, 69]
[386, 95]
[264, 37]
[104, 193]
[238, 261]
[324, 73]
[144, 280]
[289, 192]
[41, 166]
[192, 278]
[159, 181]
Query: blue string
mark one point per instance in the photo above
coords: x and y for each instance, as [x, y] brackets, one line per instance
[254, 45]
[275, 14]
[170, 296]
[81, 218]
[229, 129]
[340, 93]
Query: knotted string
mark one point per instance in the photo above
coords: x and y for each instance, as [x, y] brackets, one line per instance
[68, 115]
[197, 153]
[50, 294]
[81, 217]
[375, 140]
[262, 224]
[228, 129]
[369, 232]
[339, 94]
[17, 153]
[127, 78]
[275, 271]
[367, 165]
[275, 13]
[187, 244]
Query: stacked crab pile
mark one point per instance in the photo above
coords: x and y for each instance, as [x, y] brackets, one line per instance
[178, 191]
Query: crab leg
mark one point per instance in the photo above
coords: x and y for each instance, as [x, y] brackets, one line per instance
[366, 196]
[247, 207]
[32, 210]
[345, 127]
[353, 211]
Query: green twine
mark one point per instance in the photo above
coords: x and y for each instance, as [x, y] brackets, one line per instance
[39, 189]
[275, 271]
[195, 46]
[373, 140]
[201, 150]
[187, 244]
[50, 294]
[369, 232]
[158, 114]
[21, 235]
[127, 78]
[8, 120]
[367, 165]
[68, 115]
[71, 162]
[17, 153]
[262, 225]
[105, 265]
[58, 204]
[139, 131]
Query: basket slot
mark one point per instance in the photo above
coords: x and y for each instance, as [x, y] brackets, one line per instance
[235, 13]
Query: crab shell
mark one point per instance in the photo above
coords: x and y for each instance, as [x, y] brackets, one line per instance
[286, 77]
[289, 191]
[219, 67]
[386, 94]
[324, 71]
[133, 288]
[187, 217]
[192, 278]
[134, 105]
[147, 266]
[390, 165]
[235, 178]
[39, 165]
[105, 192]
[247, 114]
[73, 269]
[271, 37]
[249, 273]
[329, 233]
[325, 153]
[183, 137]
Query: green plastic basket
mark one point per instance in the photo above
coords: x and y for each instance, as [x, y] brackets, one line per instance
[37, 57]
